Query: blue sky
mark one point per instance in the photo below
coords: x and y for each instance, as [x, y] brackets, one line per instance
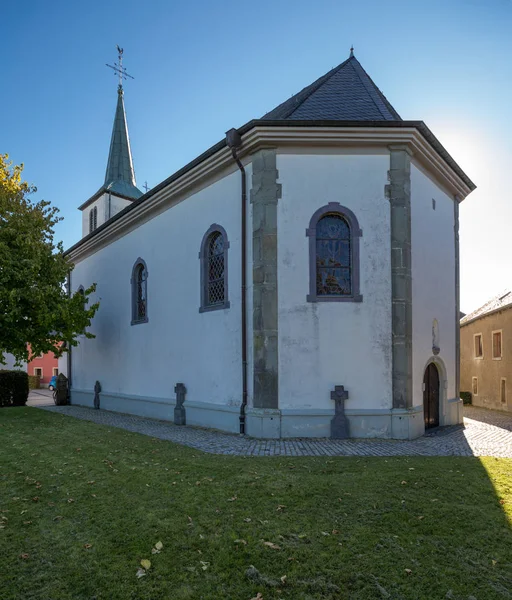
[201, 68]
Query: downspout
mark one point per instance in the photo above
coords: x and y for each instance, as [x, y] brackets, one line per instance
[109, 204]
[234, 141]
[70, 364]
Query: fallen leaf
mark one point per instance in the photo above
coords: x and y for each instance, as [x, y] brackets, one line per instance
[411, 468]
[23, 512]
[146, 563]
[58, 518]
[335, 532]
[325, 533]
[408, 571]
[159, 545]
[248, 520]
[404, 482]
[272, 545]
[280, 507]
[421, 517]
[283, 579]
[35, 499]
[204, 565]
[24, 556]
[87, 546]
[494, 562]
[70, 500]
[240, 542]
[232, 499]
[258, 596]
[27, 522]
[140, 573]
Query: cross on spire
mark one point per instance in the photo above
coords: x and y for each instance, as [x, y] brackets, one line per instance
[119, 70]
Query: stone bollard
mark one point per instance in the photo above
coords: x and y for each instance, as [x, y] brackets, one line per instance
[179, 410]
[97, 390]
[339, 423]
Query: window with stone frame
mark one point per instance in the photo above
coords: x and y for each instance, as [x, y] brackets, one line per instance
[474, 383]
[496, 345]
[503, 390]
[479, 347]
[93, 219]
[214, 269]
[334, 255]
[139, 284]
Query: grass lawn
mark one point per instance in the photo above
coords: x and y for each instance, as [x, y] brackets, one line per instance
[82, 504]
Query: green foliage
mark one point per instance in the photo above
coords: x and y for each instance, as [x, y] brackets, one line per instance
[34, 305]
[13, 388]
[86, 503]
[466, 397]
[34, 382]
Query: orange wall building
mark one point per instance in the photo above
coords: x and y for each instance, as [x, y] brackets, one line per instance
[44, 365]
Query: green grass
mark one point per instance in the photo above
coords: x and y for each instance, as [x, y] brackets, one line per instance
[345, 528]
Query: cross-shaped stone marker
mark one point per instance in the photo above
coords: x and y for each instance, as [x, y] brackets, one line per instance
[179, 411]
[339, 424]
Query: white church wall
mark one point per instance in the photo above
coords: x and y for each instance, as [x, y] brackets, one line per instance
[433, 288]
[324, 344]
[139, 365]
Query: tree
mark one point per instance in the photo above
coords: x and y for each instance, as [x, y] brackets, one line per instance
[35, 308]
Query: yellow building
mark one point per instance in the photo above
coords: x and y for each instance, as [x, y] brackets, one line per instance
[486, 353]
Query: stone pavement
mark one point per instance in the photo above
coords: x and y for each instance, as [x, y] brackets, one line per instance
[42, 397]
[485, 433]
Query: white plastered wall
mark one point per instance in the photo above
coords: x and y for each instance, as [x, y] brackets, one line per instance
[324, 344]
[178, 344]
[433, 281]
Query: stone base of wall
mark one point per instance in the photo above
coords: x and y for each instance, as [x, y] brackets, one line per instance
[402, 424]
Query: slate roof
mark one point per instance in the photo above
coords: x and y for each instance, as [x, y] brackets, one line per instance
[346, 93]
[500, 302]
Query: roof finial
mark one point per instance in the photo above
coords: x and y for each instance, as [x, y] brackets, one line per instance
[352, 51]
[120, 70]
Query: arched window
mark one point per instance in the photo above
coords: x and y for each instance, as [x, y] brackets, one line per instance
[334, 255]
[214, 269]
[139, 283]
[93, 219]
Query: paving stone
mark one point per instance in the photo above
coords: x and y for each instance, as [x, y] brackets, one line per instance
[485, 433]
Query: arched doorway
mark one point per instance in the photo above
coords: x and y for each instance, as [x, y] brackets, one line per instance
[431, 396]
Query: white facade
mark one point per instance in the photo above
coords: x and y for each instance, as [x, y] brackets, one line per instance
[320, 344]
[433, 289]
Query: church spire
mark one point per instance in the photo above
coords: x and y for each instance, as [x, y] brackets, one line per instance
[120, 175]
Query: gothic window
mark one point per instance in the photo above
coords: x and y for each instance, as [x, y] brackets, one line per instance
[214, 269]
[334, 255]
[139, 292]
[93, 219]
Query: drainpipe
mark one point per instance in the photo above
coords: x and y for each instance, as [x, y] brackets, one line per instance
[234, 141]
[70, 364]
[109, 204]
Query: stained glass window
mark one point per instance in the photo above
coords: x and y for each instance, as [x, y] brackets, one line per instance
[333, 256]
[215, 284]
[140, 299]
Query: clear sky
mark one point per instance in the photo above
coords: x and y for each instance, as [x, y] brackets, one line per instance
[203, 67]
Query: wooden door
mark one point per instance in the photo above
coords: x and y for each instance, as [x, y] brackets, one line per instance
[431, 396]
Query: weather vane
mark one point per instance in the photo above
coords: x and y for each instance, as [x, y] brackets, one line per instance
[119, 69]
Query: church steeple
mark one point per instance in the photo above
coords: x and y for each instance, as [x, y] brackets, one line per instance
[120, 176]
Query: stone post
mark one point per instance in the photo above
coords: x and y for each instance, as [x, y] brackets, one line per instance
[180, 417]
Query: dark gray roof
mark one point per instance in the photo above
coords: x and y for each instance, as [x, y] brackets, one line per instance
[346, 93]
[499, 302]
[120, 176]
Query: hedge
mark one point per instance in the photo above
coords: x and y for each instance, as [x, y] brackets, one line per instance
[34, 382]
[466, 397]
[13, 388]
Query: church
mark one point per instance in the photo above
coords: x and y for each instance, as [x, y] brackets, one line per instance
[300, 278]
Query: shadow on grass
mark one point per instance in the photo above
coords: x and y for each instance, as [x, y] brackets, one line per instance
[87, 502]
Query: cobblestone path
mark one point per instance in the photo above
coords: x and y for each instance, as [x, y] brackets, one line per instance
[485, 433]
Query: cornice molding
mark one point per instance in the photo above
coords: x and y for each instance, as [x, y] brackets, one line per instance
[254, 139]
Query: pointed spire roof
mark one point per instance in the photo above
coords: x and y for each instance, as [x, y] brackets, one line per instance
[120, 176]
[346, 93]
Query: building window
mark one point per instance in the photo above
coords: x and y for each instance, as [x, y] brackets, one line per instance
[334, 255]
[55, 371]
[475, 386]
[214, 269]
[479, 347]
[503, 390]
[139, 283]
[496, 345]
[38, 372]
[93, 219]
